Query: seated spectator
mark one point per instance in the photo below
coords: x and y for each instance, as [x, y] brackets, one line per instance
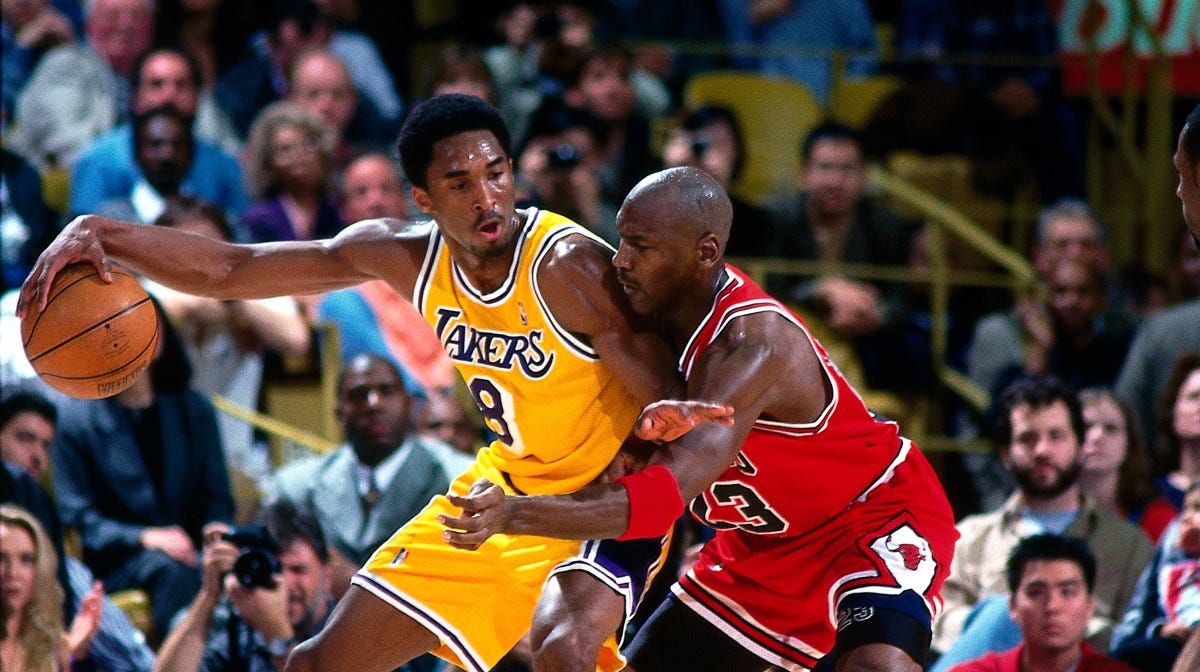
[226, 341]
[601, 83]
[370, 73]
[1185, 274]
[447, 423]
[288, 161]
[1156, 346]
[1115, 469]
[164, 150]
[26, 224]
[231, 626]
[371, 485]
[107, 167]
[710, 138]
[560, 165]
[27, 31]
[1051, 584]
[461, 69]
[80, 90]
[1166, 605]
[831, 219]
[373, 317]
[1178, 414]
[1040, 438]
[27, 426]
[819, 26]
[214, 33]
[321, 84]
[139, 474]
[32, 636]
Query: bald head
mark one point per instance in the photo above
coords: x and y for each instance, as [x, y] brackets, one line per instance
[687, 201]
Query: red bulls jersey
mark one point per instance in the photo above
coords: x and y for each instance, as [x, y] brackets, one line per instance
[791, 477]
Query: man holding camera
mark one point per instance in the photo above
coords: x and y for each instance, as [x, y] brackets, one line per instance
[265, 588]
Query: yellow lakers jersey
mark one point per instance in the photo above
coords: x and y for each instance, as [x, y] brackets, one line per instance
[559, 413]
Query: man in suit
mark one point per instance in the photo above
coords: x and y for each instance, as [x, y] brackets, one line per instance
[371, 485]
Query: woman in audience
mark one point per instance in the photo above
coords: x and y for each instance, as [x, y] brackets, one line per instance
[1116, 469]
[287, 160]
[32, 638]
[1178, 431]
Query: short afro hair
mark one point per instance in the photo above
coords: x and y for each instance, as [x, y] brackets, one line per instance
[439, 118]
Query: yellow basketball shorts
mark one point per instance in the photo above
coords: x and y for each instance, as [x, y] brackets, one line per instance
[479, 603]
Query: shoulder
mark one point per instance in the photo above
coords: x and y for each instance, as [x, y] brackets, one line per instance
[576, 256]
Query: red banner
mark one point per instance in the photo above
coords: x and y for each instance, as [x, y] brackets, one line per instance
[1175, 22]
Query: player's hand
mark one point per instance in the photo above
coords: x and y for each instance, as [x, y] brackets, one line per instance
[78, 242]
[670, 419]
[484, 514]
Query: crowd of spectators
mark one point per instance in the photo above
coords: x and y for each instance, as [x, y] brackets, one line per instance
[260, 122]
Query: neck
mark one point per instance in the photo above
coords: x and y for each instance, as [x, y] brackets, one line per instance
[12, 627]
[487, 272]
[1050, 660]
[1067, 501]
[139, 395]
[371, 456]
[1102, 486]
[1189, 458]
[689, 309]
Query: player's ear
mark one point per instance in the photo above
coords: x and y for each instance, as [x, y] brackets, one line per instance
[708, 249]
[422, 200]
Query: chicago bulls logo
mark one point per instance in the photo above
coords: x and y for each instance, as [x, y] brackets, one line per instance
[910, 552]
[907, 557]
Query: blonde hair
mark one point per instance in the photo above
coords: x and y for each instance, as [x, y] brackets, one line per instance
[260, 177]
[42, 624]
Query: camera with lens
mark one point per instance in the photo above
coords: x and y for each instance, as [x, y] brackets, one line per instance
[563, 157]
[258, 559]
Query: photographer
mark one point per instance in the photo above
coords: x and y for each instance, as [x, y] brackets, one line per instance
[265, 588]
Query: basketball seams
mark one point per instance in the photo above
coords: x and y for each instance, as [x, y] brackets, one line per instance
[55, 292]
[123, 311]
[132, 362]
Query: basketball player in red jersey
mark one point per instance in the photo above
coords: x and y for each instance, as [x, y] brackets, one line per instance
[833, 533]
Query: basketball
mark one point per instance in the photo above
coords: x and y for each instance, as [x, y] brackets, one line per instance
[93, 339]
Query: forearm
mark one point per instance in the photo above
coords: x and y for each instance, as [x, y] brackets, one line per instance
[595, 512]
[183, 649]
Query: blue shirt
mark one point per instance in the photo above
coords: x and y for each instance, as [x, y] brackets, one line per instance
[106, 170]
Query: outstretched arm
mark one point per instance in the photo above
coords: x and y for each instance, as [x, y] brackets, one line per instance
[202, 266]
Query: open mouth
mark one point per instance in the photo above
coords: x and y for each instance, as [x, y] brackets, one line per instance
[490, 228]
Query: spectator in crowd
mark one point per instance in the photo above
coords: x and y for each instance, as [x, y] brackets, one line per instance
[27, 31]
[26, 224]
[1040, 437]
[321, 84]
[288, 160]
[1051, 584]
[1066, 335]
[709, 138]
[192, 26]
[1166, 606]
[107, 168]
[1069, 229]
[27, 426]
[830, 219]
[1186, 271]
[359, 51]
[226, 342]
[810, 30]
[80, 90]
[371, 485]
[447, 422]
[601, 84]
[373, 317]
[139, 474]
[561, 164]
[461, 69]
[1115, 468]
[234, 627]
[1178, 428]
[32, 636]
[165, 151]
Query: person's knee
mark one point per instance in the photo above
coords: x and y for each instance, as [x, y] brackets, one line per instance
[877, 658]
[563, 650]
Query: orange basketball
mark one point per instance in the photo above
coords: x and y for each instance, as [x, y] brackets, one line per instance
[93, 339]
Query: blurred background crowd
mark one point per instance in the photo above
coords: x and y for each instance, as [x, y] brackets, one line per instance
[958, 196]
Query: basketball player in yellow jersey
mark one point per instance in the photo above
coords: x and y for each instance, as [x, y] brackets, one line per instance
[529, 307]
